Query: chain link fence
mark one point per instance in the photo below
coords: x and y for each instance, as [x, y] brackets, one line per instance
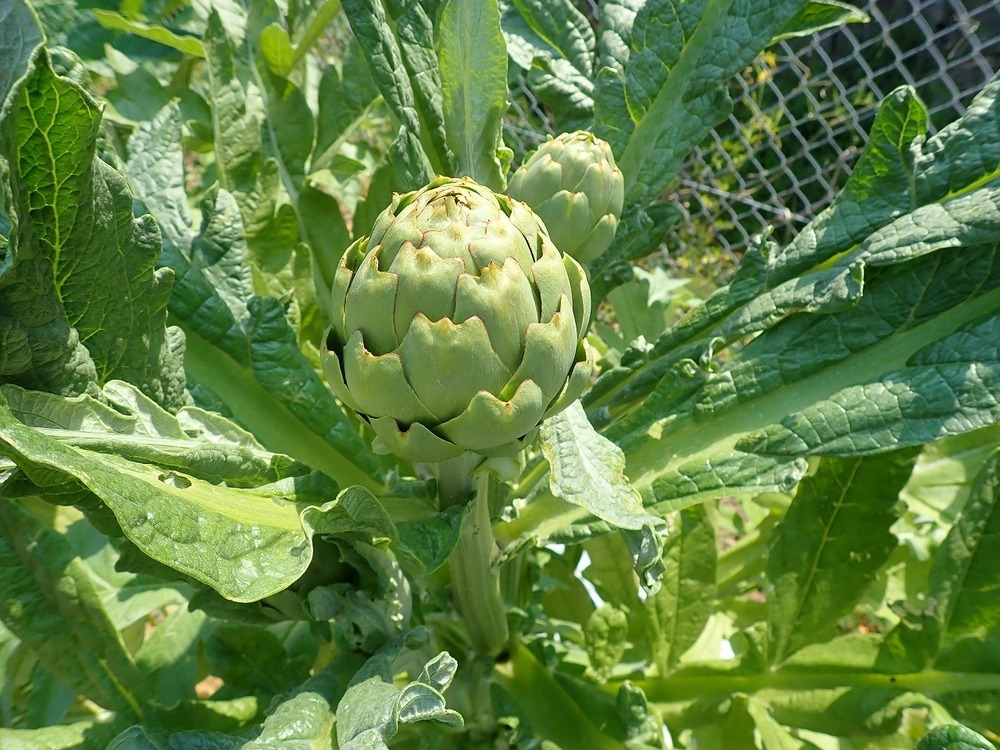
[801, 116]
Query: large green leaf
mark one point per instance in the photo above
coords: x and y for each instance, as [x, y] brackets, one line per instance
[474, 96]
[82, 301]
[554, 43]
[888, 346]
[827, 549]
[586, 470]
[252, 153]
[398, 42]
[965, 575]
[241, 346]
[52, 602]
[127, 424]
[245, 542]
[678, 612]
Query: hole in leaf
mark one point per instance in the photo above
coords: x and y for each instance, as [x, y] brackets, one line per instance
[172, 478]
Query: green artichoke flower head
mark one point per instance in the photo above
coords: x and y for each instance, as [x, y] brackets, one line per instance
[574, 185]
[457, 325]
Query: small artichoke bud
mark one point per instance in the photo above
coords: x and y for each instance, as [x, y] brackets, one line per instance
[457, 324]
[572, 182]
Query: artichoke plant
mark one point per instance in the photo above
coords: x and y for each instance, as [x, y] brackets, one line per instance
[457, 324]
[572, 182]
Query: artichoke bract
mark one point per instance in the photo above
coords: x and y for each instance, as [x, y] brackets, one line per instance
[574, 185]
[457, 324]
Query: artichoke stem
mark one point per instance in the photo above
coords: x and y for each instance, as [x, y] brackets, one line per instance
[474, 579]
[454, 478]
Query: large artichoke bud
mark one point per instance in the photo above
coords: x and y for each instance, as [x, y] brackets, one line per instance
[573, 183]
[457, 325]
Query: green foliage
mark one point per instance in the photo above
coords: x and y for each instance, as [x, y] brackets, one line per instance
[770, 523]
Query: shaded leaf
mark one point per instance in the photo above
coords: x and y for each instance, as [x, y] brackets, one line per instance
[679, 611]
[830, 545]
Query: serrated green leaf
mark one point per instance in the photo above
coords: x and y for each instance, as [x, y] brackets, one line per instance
[402, 62]
[617, 18]
[129, 425]
[587, 470]
[946, 391]
[855, 360]
[898, 173]
[83, 303]
[204, 530]
[554, 42]
[737, 474]
[829, 546]
[236, 119]
[247, 163]
[474, 96]
[189, 45]
[156, 175]
[901, 169]
[678, 612]
[373, 708]
[673, 82]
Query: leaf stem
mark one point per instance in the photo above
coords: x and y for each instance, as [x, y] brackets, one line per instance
[681, 688]
[270, 420]
[474, 578]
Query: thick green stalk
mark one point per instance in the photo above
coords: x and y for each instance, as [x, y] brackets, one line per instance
[474, 578]
[549, 709]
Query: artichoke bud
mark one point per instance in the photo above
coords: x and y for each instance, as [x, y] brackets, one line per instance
[457, 324]
[572, 182]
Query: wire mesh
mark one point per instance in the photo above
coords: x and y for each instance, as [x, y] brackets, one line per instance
[801, 116]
